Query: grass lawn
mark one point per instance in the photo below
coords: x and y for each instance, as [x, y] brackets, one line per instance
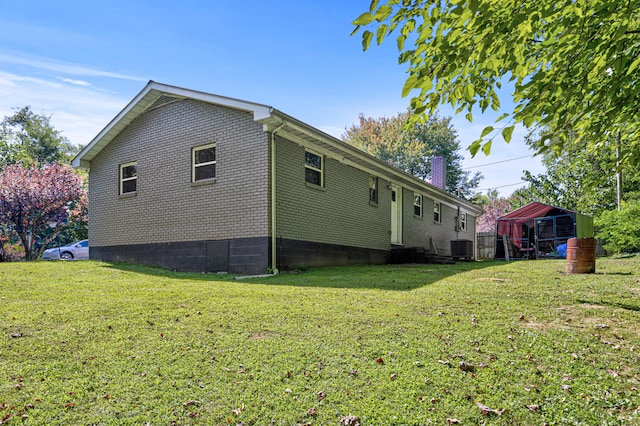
[492, 342]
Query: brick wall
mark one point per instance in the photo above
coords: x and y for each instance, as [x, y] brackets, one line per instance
[338, 213]
[167, 206]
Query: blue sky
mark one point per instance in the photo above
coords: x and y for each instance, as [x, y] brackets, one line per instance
[82, 61]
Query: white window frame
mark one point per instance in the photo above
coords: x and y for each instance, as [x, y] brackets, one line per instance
[373, 190]
[194, 166]
[417, 202]
[122, 179]
[315, 169]
[462, 222]
[437, 209]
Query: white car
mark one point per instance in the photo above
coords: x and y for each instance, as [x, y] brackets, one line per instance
[77, 250]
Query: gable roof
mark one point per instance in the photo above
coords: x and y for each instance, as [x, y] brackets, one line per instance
[534, 210]
[154, 94]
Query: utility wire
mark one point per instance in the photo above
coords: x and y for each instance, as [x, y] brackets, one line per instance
[497, 162]
[502, 186]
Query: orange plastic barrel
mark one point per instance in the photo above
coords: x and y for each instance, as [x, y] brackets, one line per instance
[581, 256]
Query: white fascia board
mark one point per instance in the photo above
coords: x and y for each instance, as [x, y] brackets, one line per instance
[260, 111]
[391, 173]
[79, 160]
[146, 97]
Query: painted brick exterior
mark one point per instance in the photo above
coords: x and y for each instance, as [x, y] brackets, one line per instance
[167, 206]
[422, 231]
[224, 225]
[338, 213]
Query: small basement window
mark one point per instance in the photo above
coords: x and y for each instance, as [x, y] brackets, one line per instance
[203, 163]
[417, 205]
[313, 168]
[437, 217]
[128, 178]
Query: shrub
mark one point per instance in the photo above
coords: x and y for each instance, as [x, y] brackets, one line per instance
[619, 229]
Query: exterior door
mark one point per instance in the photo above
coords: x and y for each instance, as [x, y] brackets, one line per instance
[396, 215]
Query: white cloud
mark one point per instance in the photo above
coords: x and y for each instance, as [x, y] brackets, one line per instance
[75, 82]
[78, 111]
[62, 67]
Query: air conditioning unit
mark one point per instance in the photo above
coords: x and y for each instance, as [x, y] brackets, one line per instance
[462, 249]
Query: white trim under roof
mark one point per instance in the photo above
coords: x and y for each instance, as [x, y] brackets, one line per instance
[138, 105]
[289, 127]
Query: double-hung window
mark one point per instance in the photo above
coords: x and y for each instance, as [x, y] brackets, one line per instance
[462, 222]
[437, 217]
[128, 178]
[313, 168]
[417, 205]
[203, 162]
[373, 189]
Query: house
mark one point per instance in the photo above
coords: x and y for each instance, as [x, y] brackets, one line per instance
[198, 182]
[536, 230]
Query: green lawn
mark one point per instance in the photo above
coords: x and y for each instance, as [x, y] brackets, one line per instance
[503, 343]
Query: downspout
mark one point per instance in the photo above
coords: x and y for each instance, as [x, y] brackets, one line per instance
[274, 245]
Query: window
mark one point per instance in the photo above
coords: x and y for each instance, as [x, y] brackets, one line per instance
[417, 205]
[128, 178]
[437, 217]
[203, 162]
[373, 189]
[463, 222]
[313, 168]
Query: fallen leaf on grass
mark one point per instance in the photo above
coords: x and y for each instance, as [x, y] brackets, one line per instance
[350, 420]
[535, 407]
[393, 376]
[566, 388]
[321, 395]
[614, 373]
[466, 367]
[486, 410]
[237, 411]
[453, 421]
[379, 360]
[190, 403]
[312, 412]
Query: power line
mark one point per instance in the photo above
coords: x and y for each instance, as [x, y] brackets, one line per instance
[502, 186]
[497, 162]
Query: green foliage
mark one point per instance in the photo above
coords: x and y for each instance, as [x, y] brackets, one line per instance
[96, 343]
[581, 180]
[620, 230]
[572, 65]
[412, 147]
[28, 138]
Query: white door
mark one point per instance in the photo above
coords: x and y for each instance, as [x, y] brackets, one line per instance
[396, 215]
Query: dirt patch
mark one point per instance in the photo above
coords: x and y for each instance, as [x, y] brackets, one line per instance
[259, 335]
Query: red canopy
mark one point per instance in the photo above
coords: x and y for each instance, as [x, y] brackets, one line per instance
[511, 224]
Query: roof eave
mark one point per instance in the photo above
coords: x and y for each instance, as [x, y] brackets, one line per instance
[147, 96]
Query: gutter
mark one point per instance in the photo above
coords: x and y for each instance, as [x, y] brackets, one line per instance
[274, 245]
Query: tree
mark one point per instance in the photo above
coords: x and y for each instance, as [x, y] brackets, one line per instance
[412, 148]
[574, 180]
[619, 229]
[495, 208]
[29, 138]
[35, 202]
[572, 66]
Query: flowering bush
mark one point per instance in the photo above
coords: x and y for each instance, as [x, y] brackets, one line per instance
[36, 202]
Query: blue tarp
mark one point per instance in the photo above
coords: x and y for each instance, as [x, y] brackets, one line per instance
[562, 250]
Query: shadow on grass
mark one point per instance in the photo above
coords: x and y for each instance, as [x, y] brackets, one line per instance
[384, 277]
[627, 306]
